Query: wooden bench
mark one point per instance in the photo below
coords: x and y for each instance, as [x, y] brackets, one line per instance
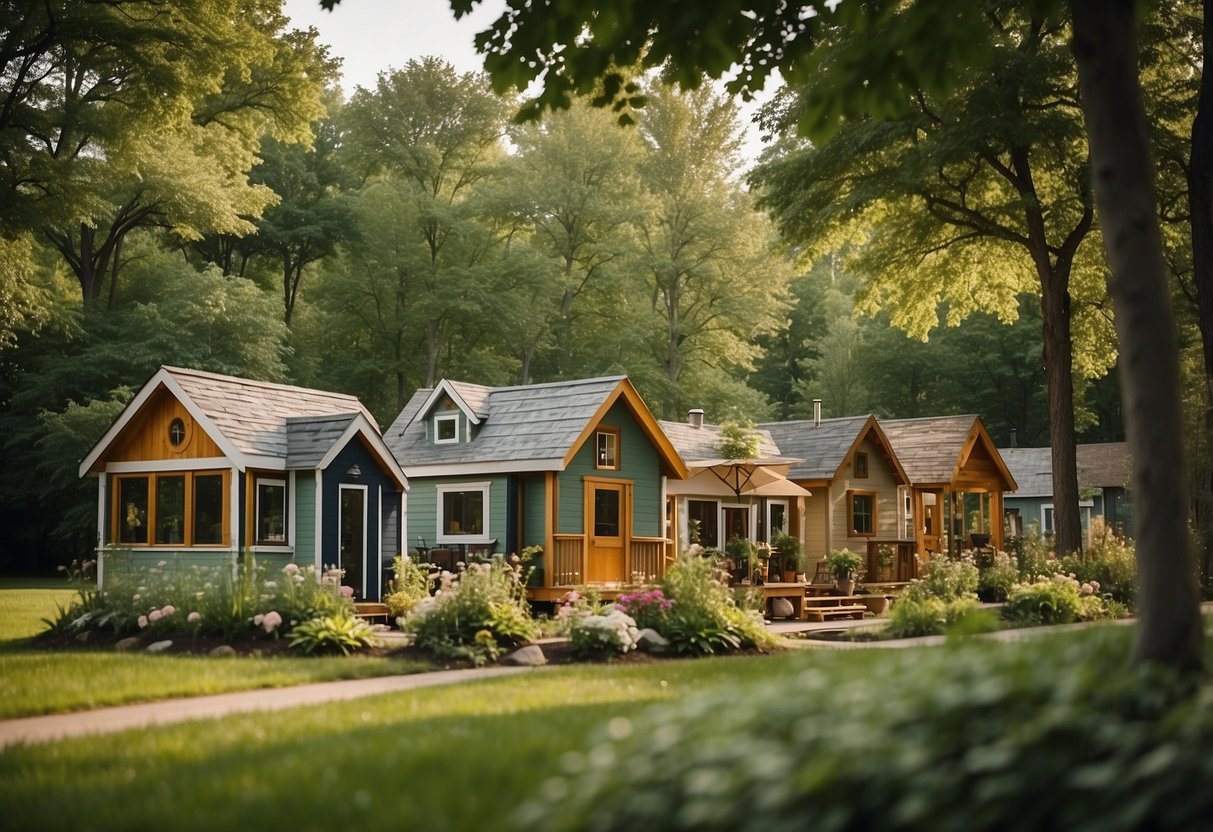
[373, 612]
[794, 592]
[826, 607]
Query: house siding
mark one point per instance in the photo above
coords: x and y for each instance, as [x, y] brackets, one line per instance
[305, 516]
[639, 462]
[423, 507]
[880, 480]
[534, 515]
[375, 480]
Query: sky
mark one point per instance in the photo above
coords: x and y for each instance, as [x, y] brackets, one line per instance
[371, 36]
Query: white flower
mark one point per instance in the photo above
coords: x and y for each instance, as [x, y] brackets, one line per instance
[153, 616]
[194, 617]
[169, 609]
[271, 620]
[291, 568]
[143, 622]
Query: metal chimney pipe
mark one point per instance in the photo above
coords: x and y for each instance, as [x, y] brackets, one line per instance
[1013, 437]
[695, 417]
[816, 413]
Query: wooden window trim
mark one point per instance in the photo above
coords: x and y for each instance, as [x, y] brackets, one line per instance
[851, 531]
[609, 430]
[861, 465]
[149, 538]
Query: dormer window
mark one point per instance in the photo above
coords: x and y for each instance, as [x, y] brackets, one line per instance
[446, 429]
[606, 451]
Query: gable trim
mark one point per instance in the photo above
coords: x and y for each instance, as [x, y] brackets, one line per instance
[624, 389]
[446, 387]
[359, 426]
[871, 426]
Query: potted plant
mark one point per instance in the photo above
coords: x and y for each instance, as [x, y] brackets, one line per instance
[791, 557]
[844, 565]
[744, 555]
[884, 559]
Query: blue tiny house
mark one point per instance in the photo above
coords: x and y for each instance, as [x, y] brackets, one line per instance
[577, 468]
[204, 469]
[1103, 489]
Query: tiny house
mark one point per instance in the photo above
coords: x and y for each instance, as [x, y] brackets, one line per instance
[204, 469]
[576, 468]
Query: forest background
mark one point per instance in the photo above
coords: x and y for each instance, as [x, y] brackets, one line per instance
[233, 211]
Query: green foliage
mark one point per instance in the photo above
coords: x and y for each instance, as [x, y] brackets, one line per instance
[1108, 561]
[843, 563]
[917, 614]
[1035, 555]
[791, 555]
[948, 578]
[411, 583]
[475, 614]
[996, 578]
[343, 634]
[599, 636]
[1046, 601]
[738, 440]
[704, 618]
[1046, 735]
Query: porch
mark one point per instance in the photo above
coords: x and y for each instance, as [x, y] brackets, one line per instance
[566, 566]
[891, 562]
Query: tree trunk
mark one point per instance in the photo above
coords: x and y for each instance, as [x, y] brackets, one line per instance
[1170, 631]
[1200, 208]
[1059, 383]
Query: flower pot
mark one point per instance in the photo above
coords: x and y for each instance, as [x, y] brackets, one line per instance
[846, 586]
[789, 576]
[876, 604]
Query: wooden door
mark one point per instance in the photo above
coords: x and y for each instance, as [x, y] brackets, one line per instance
[606, 529]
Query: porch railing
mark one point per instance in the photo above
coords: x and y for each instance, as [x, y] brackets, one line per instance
[568, 560]
[647, 559]
[901, 561]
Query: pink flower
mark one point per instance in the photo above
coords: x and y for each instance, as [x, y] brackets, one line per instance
[271, 621]
[142, 621]
[347, 592]
[291, 568]
[194, 617]
[154, 616]
[257, 619]
[169, 609]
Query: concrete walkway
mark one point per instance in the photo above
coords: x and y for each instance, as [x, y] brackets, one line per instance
[39, 729]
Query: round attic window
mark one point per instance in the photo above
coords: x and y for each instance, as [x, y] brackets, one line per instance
[176, 432]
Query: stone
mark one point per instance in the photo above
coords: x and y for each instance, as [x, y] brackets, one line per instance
[159, 646]
[782, 608]
[126, 643]
[83, 637]
[529, 656]
[223, 651]
[651, 641]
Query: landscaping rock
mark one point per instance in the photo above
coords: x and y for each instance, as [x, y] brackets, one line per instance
[159, 646]
[222, 651]
[782, 608]
[651, 641]
[83, 637]
[529, 656]
[126, 643]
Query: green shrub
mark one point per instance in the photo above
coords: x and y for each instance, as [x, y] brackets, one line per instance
[411, 582]
[1056, 734]
[1035, 555]
[843, 563]
[1110, 562]
[703, 617]
[948, 578]
[914, 615]
[1045, 601]
[995, 579]
[343, 634]
[475, 614]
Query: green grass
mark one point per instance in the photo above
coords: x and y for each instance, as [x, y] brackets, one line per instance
[457, 757]
[36, 681]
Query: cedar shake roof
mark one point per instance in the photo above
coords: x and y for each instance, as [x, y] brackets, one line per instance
[929, 448]
[822, 447]
[1104, 465]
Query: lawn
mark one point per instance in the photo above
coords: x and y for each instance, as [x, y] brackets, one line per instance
[36, 681]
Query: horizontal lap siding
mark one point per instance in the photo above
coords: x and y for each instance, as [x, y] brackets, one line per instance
[305, 517]
[879, 480]
[535, 517]
[423, 508]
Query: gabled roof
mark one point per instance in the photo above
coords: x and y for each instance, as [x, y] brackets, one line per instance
[932, 450]
[697, 444]
[532, 427]
[825, 447]
[246, 418]
[314, 442]
[1104, 465]
[472, 399]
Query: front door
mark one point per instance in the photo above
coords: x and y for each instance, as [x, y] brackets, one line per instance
[607, 523]
[351, 527]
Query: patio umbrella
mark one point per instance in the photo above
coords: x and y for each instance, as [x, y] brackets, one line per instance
[747, 476]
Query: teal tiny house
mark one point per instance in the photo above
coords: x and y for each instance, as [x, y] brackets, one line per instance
[577, 468]
[204, 469]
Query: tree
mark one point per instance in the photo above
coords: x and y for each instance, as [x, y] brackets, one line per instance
[125, 114]
[923, 46]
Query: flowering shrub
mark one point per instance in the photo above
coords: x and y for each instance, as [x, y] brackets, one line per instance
[410, 584]
[948, 578]
[1054, 600]
[596, 636]
[647, 607]
[927, 615]
[486, 597]
[995, 579]
[1109, 561]
[703, 618]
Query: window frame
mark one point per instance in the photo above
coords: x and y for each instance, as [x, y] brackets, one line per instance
[787, 517]
[861, 465]
[258, 481]
[440, 492]
[714, 516]
[851, 530]
[602, 432]
[190, 510]
[442, 419]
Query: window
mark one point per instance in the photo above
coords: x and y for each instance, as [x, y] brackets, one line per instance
[176, 432]
[271, 511]
[463, 513]
[170, 510]
[177, 509]
[606, 512]
[702, 514]
[446, 429]
[1084, 516]
[861, 465]
[777, 518]
[606, 452]
[861, 513]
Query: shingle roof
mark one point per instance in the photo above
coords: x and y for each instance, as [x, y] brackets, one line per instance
[822, 447]
[521, 423]
[309, 438]
[929, 448]
[703, 443]
[253, 414]
[1104, 465]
